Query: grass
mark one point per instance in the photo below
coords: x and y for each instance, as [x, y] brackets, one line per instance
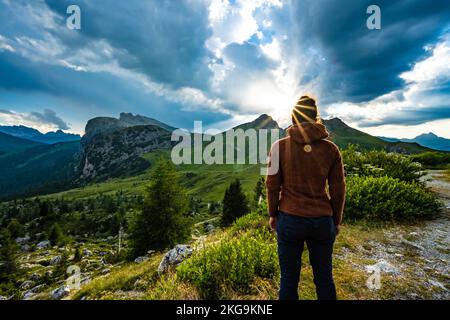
[141, 281]
[207, 181]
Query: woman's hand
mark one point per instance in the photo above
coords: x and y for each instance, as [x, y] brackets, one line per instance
[273, 223]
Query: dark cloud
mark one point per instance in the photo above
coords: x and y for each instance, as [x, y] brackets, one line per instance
[163, 39]
[49, 117]
[362, 64]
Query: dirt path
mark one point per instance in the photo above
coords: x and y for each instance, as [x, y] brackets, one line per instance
[413, 260]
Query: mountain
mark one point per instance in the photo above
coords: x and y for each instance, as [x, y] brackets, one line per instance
[9, 143]
[38, 170]
[343, 135]
[117, 153]
[37, 136]
[429, 140]
[264, 121]
[119, 147]
[125, 120]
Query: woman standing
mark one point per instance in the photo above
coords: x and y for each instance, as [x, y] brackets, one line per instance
[306, 199]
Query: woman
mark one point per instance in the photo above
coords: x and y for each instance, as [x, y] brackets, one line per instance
[300, 207]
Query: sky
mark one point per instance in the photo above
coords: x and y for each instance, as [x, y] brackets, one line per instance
[225, 62]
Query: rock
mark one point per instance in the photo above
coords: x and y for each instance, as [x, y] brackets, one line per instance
[26, 285]
[25, 247]
[55, 260]
[3, 298]
[35, 277]
[30, 293]
[437, 284]
[60, 292]
[106, 271]
[43, 244]
[174, 256]
[141, 259]
[22, 240]
[85, 280]
[110, 238]
[209, 227]
[87, 252]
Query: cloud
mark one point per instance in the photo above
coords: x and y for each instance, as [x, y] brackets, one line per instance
[426, 97]
[164, 40]
[46, 121]
[218, 60]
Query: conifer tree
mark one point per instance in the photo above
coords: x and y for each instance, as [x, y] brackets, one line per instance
[163, 220]
[235, 203]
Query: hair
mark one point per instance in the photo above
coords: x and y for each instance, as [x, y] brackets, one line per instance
[305, 111]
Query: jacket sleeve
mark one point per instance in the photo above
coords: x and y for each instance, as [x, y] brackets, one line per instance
[274, 180]
[336, 182]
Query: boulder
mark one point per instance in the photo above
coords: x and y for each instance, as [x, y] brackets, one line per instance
[35, 277]
[22, 240]
[87, 252]
[55, 260]
[141, 259]
[30, 293]
[3, 298]
[25, 247]
[174, 257]
[26, 285]
[60, 292]
[106, 271]
[43, 244]
[209, 227]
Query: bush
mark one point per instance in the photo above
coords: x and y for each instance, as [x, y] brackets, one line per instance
[385, 198]
[433, 159]
[233, 264]
[381, 163]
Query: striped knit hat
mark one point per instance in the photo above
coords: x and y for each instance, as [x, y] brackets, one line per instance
[305, 110]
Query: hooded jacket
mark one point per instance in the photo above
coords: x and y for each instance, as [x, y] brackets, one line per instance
[308, 165]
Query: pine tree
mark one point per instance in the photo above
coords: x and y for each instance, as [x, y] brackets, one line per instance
[163, 221]
[235, 204]
[15, 228]
[56, 236]
[8, 255]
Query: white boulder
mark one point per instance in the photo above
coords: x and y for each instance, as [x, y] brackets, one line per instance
[174, 257]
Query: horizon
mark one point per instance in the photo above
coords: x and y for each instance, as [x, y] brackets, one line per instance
[81, 134]
[224, 63]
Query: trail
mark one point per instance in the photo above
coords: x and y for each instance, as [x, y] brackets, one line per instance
[416, 256]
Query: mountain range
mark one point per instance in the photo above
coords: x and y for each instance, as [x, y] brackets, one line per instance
[429, 140]
[31, 134]
[116, 148]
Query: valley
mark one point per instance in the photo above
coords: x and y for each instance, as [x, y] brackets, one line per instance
[72, 205]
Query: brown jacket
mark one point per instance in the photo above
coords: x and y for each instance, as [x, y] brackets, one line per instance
[307, 161]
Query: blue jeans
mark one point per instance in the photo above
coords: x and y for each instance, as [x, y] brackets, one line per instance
[319, 235]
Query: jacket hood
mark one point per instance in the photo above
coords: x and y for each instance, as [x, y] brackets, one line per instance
[307, 132]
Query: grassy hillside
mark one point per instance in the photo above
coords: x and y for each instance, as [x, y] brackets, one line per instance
[357, 246]
[343, 135]
[40, 169]
[206, 181]
[10, 144]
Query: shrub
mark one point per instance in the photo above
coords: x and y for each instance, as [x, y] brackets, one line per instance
[433, 159]
[380, 163]
[233, 264]
[386, 198]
